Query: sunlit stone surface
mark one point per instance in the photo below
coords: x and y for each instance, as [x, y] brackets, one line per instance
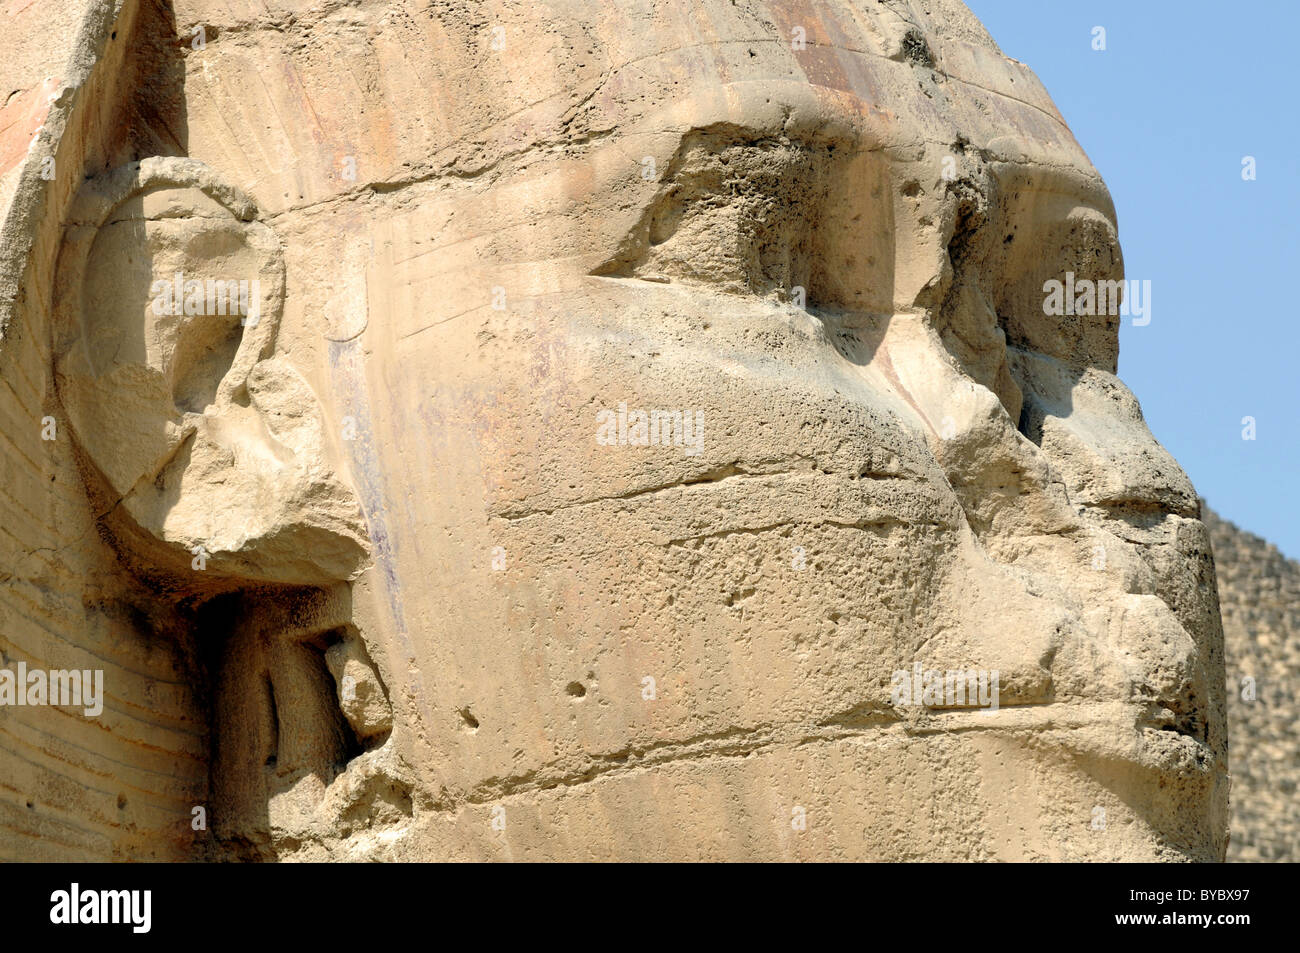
[625, 403]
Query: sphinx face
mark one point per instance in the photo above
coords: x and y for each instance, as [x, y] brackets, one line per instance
[692, 367]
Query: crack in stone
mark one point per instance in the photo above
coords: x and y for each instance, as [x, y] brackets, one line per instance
[858, 722]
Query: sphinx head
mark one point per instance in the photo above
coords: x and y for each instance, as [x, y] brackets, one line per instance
[704, 391]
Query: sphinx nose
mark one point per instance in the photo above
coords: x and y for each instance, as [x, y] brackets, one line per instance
[1091, 427]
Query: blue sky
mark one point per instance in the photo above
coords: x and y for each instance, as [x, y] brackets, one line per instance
[1183, 91]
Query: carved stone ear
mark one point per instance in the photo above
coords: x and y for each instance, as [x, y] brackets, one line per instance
[167, 301]
[129, 360]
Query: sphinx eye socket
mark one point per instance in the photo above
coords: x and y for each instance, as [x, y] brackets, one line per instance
[738, 215]
[763, 215]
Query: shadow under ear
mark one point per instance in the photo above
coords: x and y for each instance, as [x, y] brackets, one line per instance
[294, 698]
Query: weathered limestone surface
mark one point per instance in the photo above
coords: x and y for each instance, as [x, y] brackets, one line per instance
[1259, 591]
[387, 573]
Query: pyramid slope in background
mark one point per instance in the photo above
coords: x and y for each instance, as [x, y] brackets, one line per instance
[1259, 589]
